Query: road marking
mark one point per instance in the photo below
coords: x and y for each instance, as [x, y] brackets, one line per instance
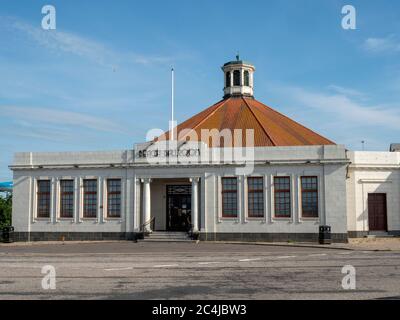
[285, 257]
[245, 260]
[317, 255]
[210, 262]
[344, 252]
[165, 265]
[20, 267]
[118, 269]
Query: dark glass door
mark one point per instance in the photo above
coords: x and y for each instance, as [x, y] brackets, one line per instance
[179, 204]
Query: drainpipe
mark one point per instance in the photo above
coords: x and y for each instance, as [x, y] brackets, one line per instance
[363, 207]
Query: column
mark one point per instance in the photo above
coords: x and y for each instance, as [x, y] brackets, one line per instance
[78, 198]
[243, 185]
[100, 199]
[195, 204]
[53, 201]
[146, 203]
[239, 199]
[127, 204]
[251, 82]
[136, 217]
[55, 198]
[231, 78]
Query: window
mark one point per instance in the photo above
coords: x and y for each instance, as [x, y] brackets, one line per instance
[66, 198]
[228, 79]
[90, 198]
[309, 197]
[255, 197]
[246, 78]
[43, 199]
[113, 198]
[236, 78]
[229, 197]
[282, 197]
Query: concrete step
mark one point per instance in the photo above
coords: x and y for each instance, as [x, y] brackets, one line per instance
[166, 240]
[168, 232]
[379, 234]
[165, 236]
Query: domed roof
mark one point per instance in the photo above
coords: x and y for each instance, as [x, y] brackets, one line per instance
[271, 128]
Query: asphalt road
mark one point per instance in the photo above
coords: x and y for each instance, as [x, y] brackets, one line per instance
[126, 270]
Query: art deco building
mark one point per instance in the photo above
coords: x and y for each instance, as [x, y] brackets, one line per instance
[238, 170]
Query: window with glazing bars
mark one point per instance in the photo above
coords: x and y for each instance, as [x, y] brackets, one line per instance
[43, 198]
[282, 201]
[66, 198]
[236, 78]
[255, 197]
[229, 197]
[228, 80]
[309, 197]
[89, 198]
[114, 198]
[246, 78]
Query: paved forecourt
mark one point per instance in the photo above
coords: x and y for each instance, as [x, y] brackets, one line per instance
[125, 270]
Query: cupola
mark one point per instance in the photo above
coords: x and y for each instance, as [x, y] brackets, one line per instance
[238, 78]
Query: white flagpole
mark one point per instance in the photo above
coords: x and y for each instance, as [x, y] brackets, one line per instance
[172, 105]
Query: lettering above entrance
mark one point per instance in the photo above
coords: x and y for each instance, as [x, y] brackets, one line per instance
[155, 153]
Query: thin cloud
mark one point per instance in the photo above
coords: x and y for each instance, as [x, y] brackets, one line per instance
[348, 109]
[346, 91]
[62, 41]
[59, 117]
[150, 60]
[388, 44]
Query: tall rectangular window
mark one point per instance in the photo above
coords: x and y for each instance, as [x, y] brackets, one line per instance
[236, 78]
[309, 197]
[255, 197]
[282, 197]
[89, 198]
[66, 198]
[228, 80]
[246, 78]
[229, 197]
[43, 198]
[114, 198]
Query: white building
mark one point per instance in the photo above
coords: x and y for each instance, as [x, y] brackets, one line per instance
[238, 170]
[373, 193]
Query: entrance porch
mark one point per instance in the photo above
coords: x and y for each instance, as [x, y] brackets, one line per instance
[170, 204]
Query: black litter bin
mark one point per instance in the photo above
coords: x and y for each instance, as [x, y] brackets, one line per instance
[325, 235]
[8, 234]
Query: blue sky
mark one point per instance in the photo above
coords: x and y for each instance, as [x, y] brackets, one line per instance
[101, 80]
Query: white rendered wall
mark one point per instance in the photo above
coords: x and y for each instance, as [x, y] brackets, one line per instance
[325, 162]
[332, 201]
[24, 202]
[373, 172]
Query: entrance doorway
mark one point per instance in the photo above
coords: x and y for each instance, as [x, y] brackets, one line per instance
[179, 205]
[377, 213]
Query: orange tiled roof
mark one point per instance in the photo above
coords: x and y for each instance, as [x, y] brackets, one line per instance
[271, 128]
